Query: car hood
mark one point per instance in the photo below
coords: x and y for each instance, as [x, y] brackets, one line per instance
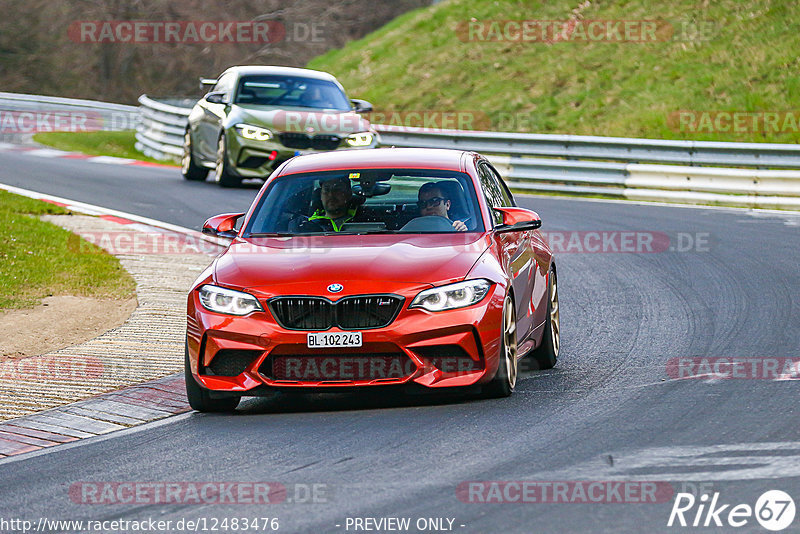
[292, 119]
[362, 264]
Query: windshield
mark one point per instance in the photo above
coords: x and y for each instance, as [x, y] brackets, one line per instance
[291, 91]
[367, 201]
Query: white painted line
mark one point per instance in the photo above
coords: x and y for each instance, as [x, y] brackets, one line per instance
[47, 153]
[7, 146]
[112, 160]
[91, 209]
[752, 211]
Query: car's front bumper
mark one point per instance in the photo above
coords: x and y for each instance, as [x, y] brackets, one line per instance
[443, 349]
[249, 158]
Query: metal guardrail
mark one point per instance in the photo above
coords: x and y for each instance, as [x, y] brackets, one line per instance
[163, 122]
[559, 163]
[611, 166]
[581, 147]
[104, 116]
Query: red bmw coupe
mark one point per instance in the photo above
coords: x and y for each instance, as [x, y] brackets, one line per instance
[363, 269]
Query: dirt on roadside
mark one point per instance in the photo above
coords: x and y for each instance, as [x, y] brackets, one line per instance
[59, 322]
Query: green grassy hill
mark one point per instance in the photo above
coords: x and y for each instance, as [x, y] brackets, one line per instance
[708, 56]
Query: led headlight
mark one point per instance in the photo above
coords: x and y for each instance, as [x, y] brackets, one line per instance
[228, 301]
[253, 132]
[360, 139]
[450, 297]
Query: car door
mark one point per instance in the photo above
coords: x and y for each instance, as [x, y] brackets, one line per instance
[515, 247]
[209, 125]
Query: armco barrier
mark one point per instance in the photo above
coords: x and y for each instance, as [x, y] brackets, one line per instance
[161, 127]
[105, 116]
[607, 166]
[610, 166]
[713, 185]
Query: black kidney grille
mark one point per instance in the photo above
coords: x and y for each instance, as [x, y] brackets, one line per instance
[302, 313]
[317, 142]
[367, 312]
[350, 313]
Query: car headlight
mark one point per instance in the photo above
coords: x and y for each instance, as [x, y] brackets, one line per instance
[360, 139]
[228, 301]
[253, 132]
[452, 296]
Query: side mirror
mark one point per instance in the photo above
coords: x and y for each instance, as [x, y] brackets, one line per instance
[217, 97]
[222, 225]
[518, 220]
[207, 82]
[361, 106]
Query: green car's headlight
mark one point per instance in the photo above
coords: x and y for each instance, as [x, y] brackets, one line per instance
[360, 139]
[452, 296]
[228, 301]
[253, 132]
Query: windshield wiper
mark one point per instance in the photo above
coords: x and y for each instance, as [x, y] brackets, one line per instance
[271, 234]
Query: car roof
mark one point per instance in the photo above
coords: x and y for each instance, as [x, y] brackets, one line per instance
[247, 70]
[386, 158]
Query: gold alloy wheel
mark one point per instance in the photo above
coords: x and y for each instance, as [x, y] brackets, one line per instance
[555, 321]
[510, 341]
[220, 168]
[186, 160]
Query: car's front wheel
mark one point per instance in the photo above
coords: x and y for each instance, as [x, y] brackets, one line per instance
[200, 399]
[225, 177]
[502, 385]
[547, 353]
[189, 168]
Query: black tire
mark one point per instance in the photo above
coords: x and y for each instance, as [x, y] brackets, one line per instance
[546, 354]
[225, 177]
[189, 167]
[502, 385]
[199, 398]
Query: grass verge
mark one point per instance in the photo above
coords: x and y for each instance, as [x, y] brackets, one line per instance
[708, 57]
[39, 259]
[116, 144]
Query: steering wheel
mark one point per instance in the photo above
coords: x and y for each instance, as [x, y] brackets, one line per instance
[429, 223]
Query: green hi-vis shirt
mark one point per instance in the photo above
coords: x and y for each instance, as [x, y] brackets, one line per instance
[320, 215]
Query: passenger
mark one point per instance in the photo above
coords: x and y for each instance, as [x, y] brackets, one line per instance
[433, 201]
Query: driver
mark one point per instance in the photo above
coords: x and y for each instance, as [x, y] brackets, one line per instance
[335, 195]
[433, 202]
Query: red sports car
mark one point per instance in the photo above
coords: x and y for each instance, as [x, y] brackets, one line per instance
[363, 269]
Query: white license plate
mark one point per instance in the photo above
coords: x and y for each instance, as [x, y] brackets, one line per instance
[323, 340]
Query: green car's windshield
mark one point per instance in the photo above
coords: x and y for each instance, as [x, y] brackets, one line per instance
[285, 91]
[367, 201]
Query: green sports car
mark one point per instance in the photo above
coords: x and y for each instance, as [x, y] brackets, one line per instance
[255, 118]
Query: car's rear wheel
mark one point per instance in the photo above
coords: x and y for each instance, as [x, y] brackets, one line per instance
[189, 168]
[502, 385]
[200, 399]
[225, 177]
[547, 353]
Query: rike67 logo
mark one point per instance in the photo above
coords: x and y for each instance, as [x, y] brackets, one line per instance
[774, 510]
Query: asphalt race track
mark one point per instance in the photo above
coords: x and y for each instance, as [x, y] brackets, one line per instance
[609, 411]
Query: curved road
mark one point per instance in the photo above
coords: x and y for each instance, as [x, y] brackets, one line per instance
[609, 411]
